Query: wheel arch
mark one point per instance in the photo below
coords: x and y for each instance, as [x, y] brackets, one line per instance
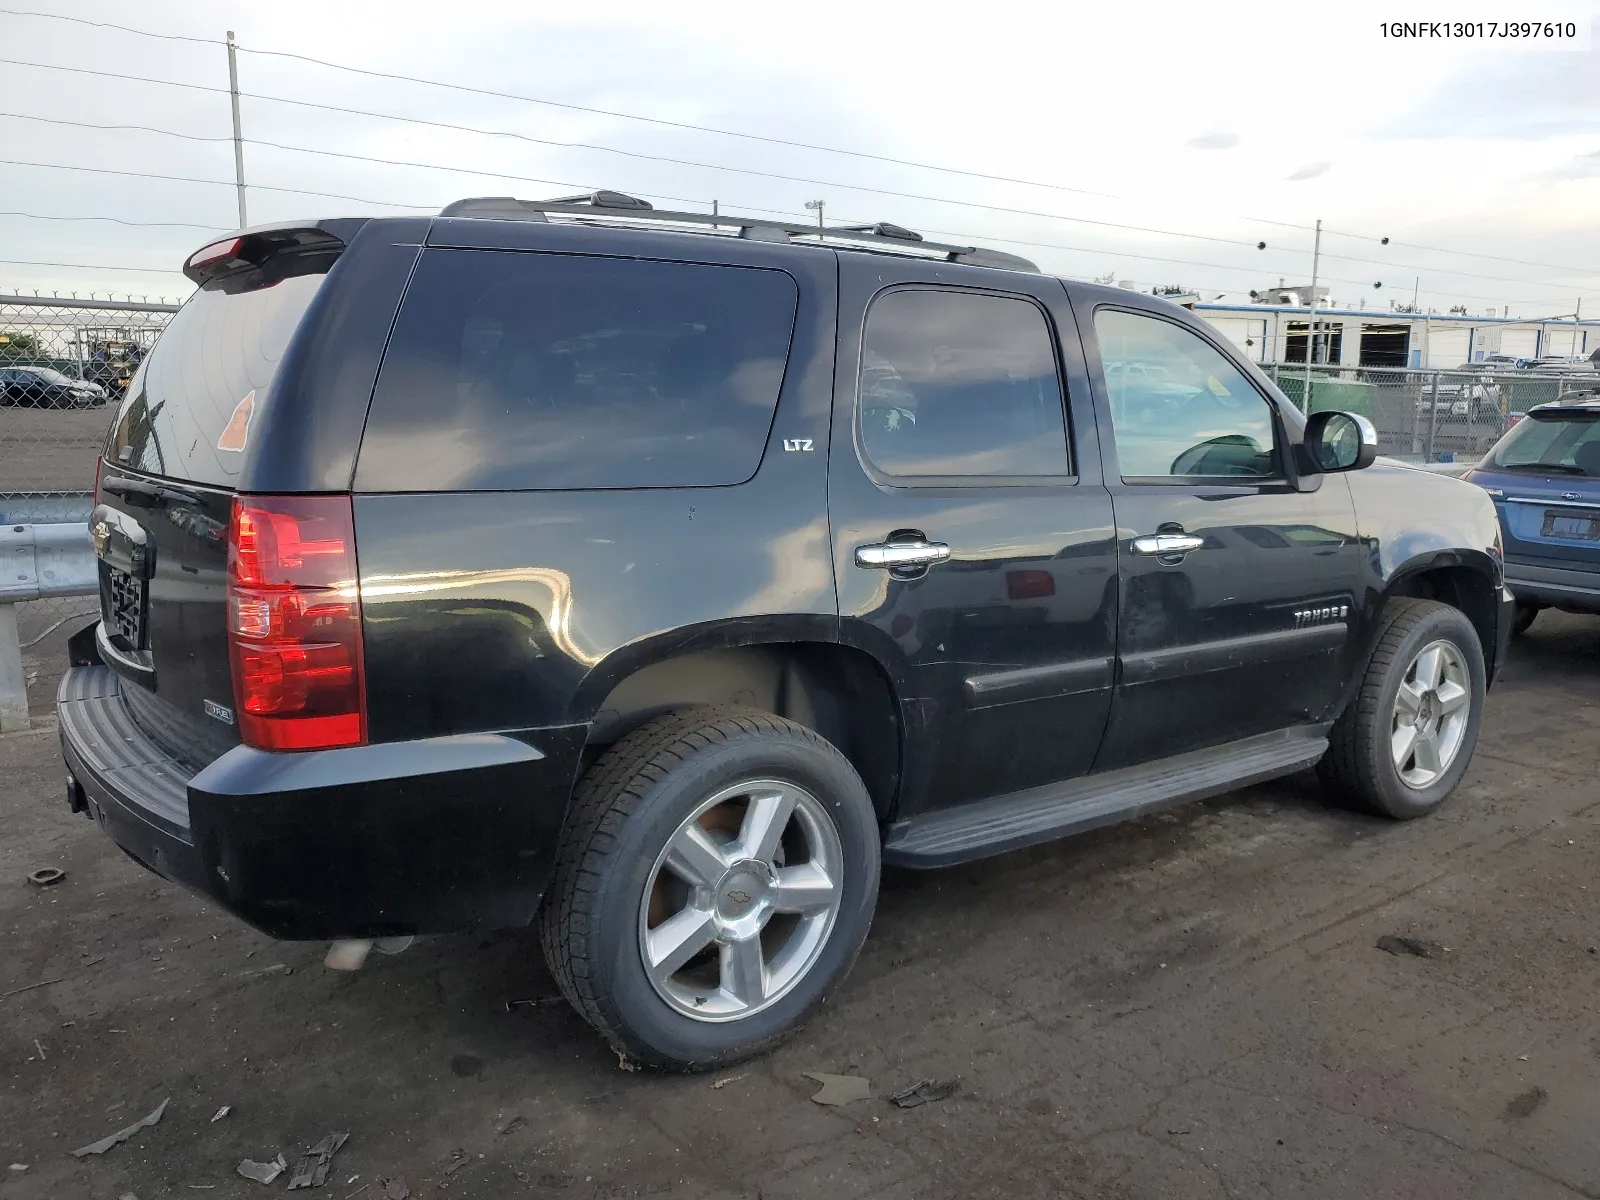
[801, 670]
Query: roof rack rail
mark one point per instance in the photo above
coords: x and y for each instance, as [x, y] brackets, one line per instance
[762, 229]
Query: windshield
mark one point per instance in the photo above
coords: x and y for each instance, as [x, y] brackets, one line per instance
[50, 375]
[1552, 443]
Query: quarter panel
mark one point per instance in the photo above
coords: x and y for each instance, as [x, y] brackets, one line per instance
[521, 609]
[309, 428]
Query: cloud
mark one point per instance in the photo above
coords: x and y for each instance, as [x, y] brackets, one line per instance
[1309, 171]
[1216, 140]
[1584, 166]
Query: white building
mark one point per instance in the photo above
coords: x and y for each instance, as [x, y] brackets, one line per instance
[1356, 338]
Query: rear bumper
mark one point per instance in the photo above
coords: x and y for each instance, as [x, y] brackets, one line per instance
[423, 836]
[1557, 587]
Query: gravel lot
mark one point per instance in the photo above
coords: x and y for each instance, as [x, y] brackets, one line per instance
[1191, 1006]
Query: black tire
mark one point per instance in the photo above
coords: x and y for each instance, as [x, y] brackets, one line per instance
[1526, 614]
[626, 807]
[1358, 765]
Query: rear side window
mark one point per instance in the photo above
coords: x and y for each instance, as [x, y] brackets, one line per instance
[530, 371]
[960, 384]
[189, 406]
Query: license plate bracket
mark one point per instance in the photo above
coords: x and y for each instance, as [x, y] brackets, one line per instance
[125, 607]
[1575, 526]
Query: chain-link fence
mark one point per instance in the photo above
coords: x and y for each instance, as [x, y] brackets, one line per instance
[1429, 415]
[64, 365]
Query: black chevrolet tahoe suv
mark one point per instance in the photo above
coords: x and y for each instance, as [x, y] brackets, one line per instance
[656, 577]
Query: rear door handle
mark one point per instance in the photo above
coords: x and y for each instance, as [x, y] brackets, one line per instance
[901, 554]
[1162, 544]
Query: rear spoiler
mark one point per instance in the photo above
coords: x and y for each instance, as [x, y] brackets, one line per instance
[293, 248]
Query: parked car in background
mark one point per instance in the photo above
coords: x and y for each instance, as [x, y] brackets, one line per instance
[1544, 478]
[658, 577]
[45, 387]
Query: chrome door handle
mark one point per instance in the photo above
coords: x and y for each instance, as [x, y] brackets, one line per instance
[901, 554]
[1163, 544]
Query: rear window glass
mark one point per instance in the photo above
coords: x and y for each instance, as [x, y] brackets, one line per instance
[219, 351]
[1556, 444]
[530, 371]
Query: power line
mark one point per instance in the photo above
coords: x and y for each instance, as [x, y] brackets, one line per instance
[787, 178]
[522, 137]
[600, 112]
[116, 221]
[192, 137]
[165, 37]
[770, 140]
[26, 262]
[11, 162]
[793, 144]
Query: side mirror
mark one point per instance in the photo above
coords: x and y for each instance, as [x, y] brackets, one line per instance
[1340, 441]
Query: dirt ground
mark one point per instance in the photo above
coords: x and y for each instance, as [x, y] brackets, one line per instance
[1192, 1006]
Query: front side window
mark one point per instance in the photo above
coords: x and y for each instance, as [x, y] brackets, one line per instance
[960, 384]
[1179, 408]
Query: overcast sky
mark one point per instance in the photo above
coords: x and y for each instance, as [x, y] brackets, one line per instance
[1207, 119]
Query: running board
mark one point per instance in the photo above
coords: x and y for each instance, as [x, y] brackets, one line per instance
[1042, 814]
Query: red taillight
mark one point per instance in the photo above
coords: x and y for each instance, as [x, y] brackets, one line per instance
[294, 623]
[214, 253]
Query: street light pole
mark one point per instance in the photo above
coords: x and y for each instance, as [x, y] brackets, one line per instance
[238, 136]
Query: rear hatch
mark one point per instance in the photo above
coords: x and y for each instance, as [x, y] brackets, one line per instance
[1544, 476]
[165, 487]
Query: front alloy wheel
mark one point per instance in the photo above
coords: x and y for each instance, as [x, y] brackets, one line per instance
[1431, 707]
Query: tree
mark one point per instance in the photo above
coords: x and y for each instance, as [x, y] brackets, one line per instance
[14, 344]
[1170, 289]
[1460, 309]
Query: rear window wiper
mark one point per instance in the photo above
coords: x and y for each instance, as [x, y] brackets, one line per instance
[141, 492]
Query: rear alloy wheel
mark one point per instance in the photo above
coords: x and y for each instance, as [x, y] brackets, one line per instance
[716, 879]
[1407, 737]
[726, 926]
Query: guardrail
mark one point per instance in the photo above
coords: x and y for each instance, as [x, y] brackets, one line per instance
[45, 552]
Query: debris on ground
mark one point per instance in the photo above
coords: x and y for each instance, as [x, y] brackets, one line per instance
[511, 1124]
[29, 987]
[348, 954]
[312, 1169]
[1393, 943]
[263, 1172]
[392, 1189]
[925, 1091]
[1528, 1103]
[221, 1112]
[39, 1046]
[46, 876]
[18, 1167]
[726, 1080]
[535, 1002]
[122, 1135]
[839, 1089]
[457, 1160]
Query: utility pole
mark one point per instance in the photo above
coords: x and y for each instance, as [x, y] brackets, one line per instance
[817, 206]
[1415, 289]
[238, 136]
[1577, 315]
[1311, 326]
